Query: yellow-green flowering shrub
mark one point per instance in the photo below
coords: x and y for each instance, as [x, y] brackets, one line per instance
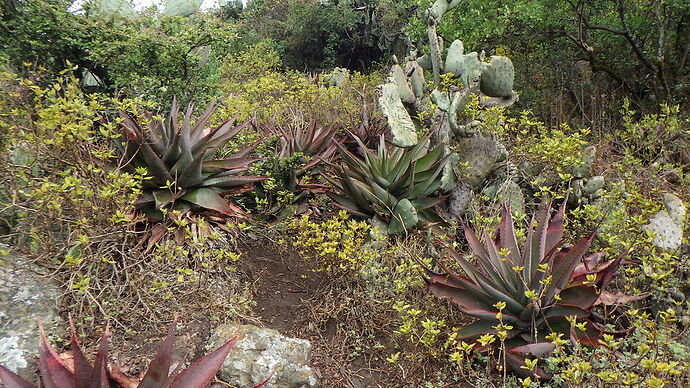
[61, 188]
[337, 244]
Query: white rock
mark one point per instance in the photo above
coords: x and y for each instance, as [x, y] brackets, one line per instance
[259, 352]
[667, 225]
[25, 297]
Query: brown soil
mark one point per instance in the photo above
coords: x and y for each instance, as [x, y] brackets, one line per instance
[289, 297]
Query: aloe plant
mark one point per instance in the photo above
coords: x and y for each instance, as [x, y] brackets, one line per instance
[56, 373]
[179, 161]
[537, 285]
[395, 186]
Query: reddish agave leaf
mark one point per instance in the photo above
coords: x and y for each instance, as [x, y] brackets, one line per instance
[99, 372]
[54, 372]
[200, 373]
[554, 233]
[501, 266]
[512, 305]
[476, 329]
[469, 270]
[122, 379]
[82, 368]
[562, 311]
[582, 296]
[563, 270]
[13, 380]
[589, 265]
[158, 370]
[516, 363]
[465, 299]
[201, 121]
[506, 236]
[476, 247]
[538, 249]
[611, 270]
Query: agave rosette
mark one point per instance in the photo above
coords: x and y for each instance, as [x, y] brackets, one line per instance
[541, 285]
[179, 161]
[313, 141]
[397, 186]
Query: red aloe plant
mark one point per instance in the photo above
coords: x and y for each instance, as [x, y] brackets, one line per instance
[55, 373]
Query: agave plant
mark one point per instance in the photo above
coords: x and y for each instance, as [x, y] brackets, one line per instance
[395, 186]
[369, 129]
[178, 159]
[538, 286]
[312, 143]
[56, 373]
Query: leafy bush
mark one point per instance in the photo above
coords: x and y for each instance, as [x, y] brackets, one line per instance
[161, 56]
[70, 211]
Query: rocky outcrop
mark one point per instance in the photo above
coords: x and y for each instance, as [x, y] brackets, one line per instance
[25, 298]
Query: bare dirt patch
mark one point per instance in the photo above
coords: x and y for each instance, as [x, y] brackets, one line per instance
[293, 299]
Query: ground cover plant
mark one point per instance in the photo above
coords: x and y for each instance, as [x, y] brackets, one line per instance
[286, 195]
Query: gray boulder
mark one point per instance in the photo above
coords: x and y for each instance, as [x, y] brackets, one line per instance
[25, 298]
[259, 352]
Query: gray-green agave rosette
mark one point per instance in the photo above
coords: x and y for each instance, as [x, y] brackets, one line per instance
[397, 186]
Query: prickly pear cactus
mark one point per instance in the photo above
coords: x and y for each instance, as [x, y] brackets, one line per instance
[667, 225]
[497, 78]
[406, 96]
[399, 121]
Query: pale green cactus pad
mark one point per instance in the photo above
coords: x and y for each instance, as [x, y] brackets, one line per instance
[455, 59]
[399, 120]
[404, 90]
[498, 77]
[417, 81]
[404, 217]
[441, 99]
[471, 68]
[425, 62]
[181, 7]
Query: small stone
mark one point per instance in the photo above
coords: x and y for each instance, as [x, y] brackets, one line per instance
[260, 353]
[667, 225]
